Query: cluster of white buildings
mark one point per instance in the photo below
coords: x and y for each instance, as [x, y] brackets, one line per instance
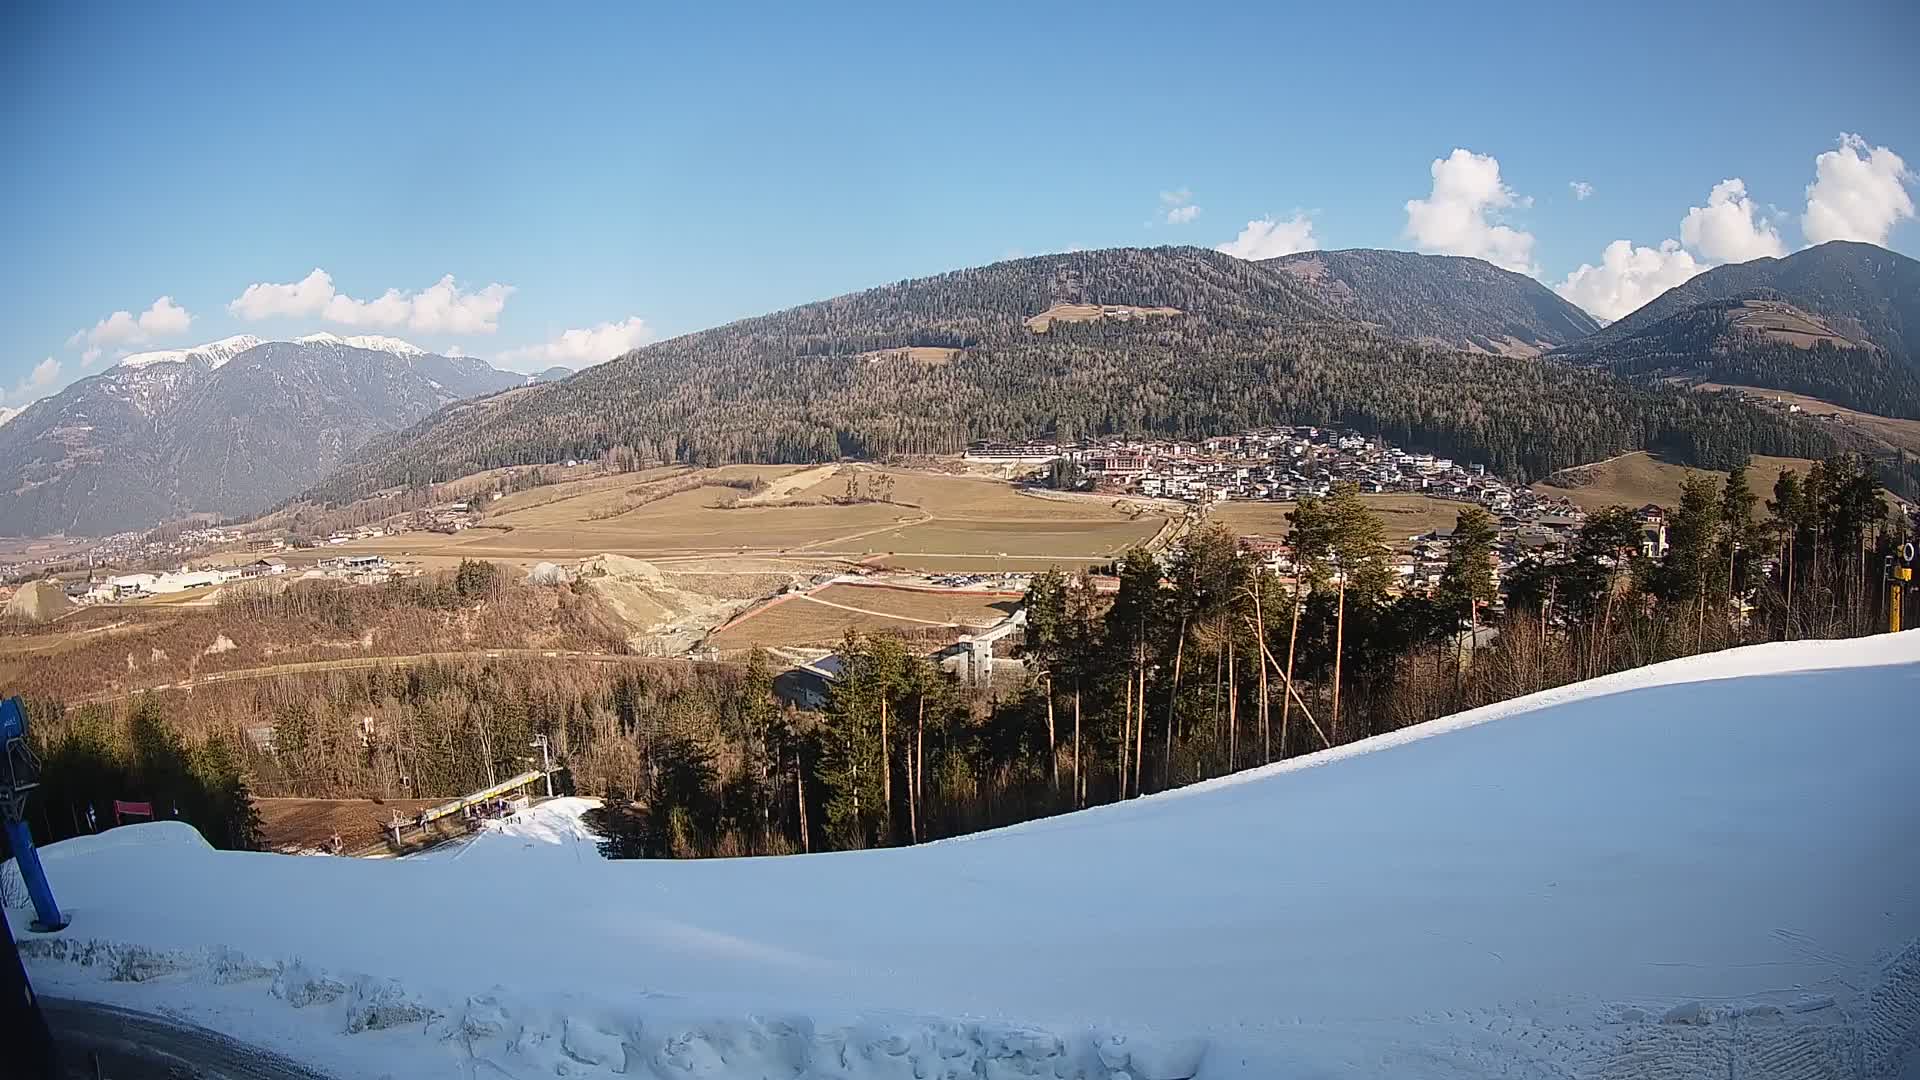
[129, 586]
[1285, 464]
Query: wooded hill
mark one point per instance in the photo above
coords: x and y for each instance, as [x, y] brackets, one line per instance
[1442, 300]
[1251, 344]
[1864, 291]
[1764, 340]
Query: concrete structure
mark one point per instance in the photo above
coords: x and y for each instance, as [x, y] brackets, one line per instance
[972, 657]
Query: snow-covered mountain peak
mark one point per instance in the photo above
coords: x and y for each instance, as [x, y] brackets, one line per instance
[374, 342]
[213, 353]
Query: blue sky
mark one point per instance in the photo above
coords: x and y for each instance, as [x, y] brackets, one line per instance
[631, 172]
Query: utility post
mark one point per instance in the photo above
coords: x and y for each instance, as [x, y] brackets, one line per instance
[1899, 580]
[546, 762]
[22, 775]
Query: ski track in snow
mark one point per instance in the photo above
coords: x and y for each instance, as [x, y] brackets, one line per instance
[1488, 895]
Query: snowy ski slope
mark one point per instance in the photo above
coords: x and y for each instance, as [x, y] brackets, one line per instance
[1709, 867]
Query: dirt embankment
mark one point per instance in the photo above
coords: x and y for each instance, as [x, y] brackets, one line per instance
[669, 610]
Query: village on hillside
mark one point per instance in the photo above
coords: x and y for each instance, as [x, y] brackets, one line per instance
[1285, 464]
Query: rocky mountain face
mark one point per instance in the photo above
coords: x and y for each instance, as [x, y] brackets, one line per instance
[229, 428]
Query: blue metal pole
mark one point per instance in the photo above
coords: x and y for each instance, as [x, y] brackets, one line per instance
[28, 860]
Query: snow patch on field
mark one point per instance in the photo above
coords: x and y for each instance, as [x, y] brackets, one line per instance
[1699, 869]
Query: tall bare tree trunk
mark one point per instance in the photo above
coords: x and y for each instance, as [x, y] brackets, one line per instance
[1126, 736]
[1286, 700]
[886, 772]
[1788, 630]
[1293, 693]
[1219, 667]
[1079, 783]
[1173, 699]
[1140, 730]
[800, 799]
[1233, 712]
[1053, 751]
[914, 764]
[1339, 646]
[1606, 622]
[920, 758]
[1260, 634]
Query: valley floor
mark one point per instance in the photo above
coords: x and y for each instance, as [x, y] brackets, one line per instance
[1700, 868]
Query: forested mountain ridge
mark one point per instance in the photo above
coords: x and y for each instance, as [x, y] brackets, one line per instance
[227, 429]
[1762, 340]
[1244, 344]
[1861, 291]
[1446, 300]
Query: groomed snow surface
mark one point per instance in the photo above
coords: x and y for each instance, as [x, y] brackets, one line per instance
[1707, 868]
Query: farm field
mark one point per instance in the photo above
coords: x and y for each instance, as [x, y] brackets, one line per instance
[687, 549]
[821, 618]
[1405, 516]
[977, 564]
[1640, 478]
[938, 606]
[1035, 543]
[929, 515]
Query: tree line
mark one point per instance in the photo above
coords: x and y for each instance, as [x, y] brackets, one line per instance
[1210, 662]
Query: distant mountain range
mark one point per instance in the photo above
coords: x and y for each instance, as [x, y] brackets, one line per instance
[1441, 299]
[228, 427]
[1178, 341]
[1839, 322]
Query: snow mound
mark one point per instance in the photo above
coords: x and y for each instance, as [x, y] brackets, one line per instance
[547, 573]
[554, 827]
[1701, 868]
[177, 835]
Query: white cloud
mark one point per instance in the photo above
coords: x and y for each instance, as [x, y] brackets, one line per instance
[582, 347]
[163, 318]
[1858, 193]
[262, 300]
[1456, 219]
[1266, 238]
[1581, 189]
[1177, 207]
[1728, 228]
[87, 358]
[35, 384]
[441, 308]
[1628, 277]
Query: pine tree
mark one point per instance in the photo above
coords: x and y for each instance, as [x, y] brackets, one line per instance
[1469, 580]
[1046, 607]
